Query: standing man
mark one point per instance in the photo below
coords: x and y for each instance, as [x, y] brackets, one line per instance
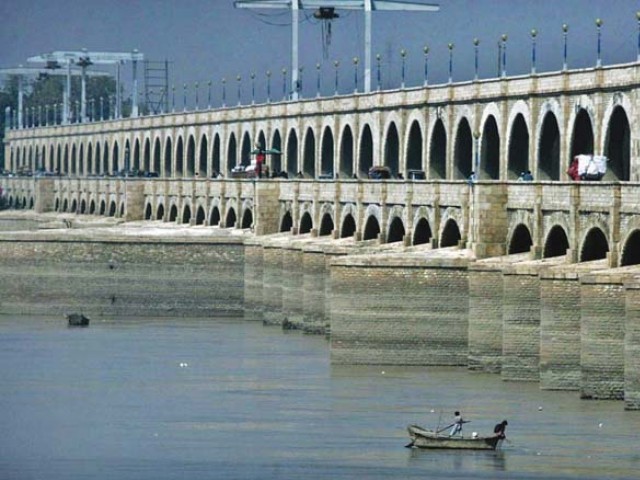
[456, 428]
[260, 158]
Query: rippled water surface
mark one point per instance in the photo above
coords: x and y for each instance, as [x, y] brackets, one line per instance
[231, 399]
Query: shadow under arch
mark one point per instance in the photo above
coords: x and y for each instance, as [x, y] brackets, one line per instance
[306, 223]
[450, 234]
[371, 228]
[247, 219]
[173, 213]
[200, 216]
[148, 212]
[215, 216]
[348, 226]
[230, 221]
[286, 224]
[556, 243]
[631, 250]
[396, 231]
[186, 214]
[595, 246]
[422, 232]
[326, 225]
[160, 212]
[521, 241]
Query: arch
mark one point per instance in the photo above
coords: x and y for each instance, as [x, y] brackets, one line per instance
[146, 156]
[371, 228]
[345, 168]
[191, 157]
[74, 160]
[215, 156]
[595, 245]
[549, 149]
[168, 158]
[396, 231]
[115, 158]
[286, 224]
[326, 225]
[247, 218]
[103, 207]
[203, 157]
[463, 162]
[98, 160]
[230, 222]
[232, 153]
[450, 234]
[366, 151]
[518, 156]
[90, 169]
[306, 223]
[521, 241]
[617, 146]
[309, 154]
[245, 151]
[179, 169]
[58, 163]
[292, 153]
[173, 213]
[422, 232]
[214, 219]
[83, 207]
[157, 154]
[556, 244]
[327, 153]
[438, 152]
[186, 214]
[631, 250]
[112, 208]
[92, 207]
[81, 160]
[276, 159]
[148, 212]
[160, 212]
[582, 135]
[490, 150]
[105, 159]
[392, 149]
[348, 228]
[136, 156]
[65, 164]
[122, 210]
[73, 209]
[127, 156]
[200, 216]
[414, 147]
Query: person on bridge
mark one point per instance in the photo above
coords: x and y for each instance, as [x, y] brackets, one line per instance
[260, 157]
[573, 170]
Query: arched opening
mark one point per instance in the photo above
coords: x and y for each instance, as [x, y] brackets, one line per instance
[92, 207]
[191, 157]
[549, 149]
[147, 212]
[292, 153]
[326, 225]
[286, 224]
[103, 207]
[276, 159]
[80, 160]
[245, 154]
[73, 170]
[83, 207]
[200, 216]
[631, 250]
[521, 241]
[326, 159]
[247, 218]
[215, 161]
[136, 156]
[490, 151]
[74, 205]
[65, 165]
[422, 232]
[371, 228]
[518, 148]
[414, 147]
[204, 155]
[168, 158]
[122, 210]
[450, 234]
[582, 139]
[115, 158]
[105, 159]
[366, 152]
[309, 155]
[556, 244]
[230, 222]
[438, 153]
[306, 223]
[173, 213]
[231, 153]
[396, 231]
[617, 146]
[179, 171]
[160, 212]
[463, 161]
[58, 167]
[146, 156]
[392, 150]
[595, 246]
[186, 214]
[346, 154]
[215, 216]
[157, 154]
[112, 209]
[98, 160]
[348, 227]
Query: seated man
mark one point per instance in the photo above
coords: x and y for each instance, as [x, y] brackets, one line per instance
[499, 429]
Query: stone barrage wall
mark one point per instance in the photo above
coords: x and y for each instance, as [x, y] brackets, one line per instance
[408, 309]
[54, 274]
[632, 344]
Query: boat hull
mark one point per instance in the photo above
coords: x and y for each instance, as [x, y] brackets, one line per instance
[423, 438]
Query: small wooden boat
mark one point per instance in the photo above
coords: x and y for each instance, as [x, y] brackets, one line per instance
[77, 320]
[423, 438]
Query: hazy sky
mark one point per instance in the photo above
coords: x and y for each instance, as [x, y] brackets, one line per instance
[210, 39]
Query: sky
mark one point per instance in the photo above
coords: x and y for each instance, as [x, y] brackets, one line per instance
[207, 40]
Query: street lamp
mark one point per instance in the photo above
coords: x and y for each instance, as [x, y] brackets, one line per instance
[336, 64]
[403, 54]
[196, 87]
[209, 95]
[476, 137]
[476, 44]
[268, 73]
[504, 54]
[173, 98]
[184, 97]
[239, 80]
[318, 80]
[355, 73]
[638, 19]
[599, 23]
[299, 82]
[534, 34]
[426, 65]
[378, 59]
[565, 31]
[224, 92]
[284, 83]
[450, 46]
[253, 88]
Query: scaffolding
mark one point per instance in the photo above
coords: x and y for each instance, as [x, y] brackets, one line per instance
[156, 86]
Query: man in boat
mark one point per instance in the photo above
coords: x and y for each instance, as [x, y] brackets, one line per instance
[499, 429]
[457, 424]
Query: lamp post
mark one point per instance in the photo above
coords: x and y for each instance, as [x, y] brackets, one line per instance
[184, 97]
[224, 92]
[101, 110]
[284, 83]
[239, 82]
[599, 23]
[504, 54]
[476, 44]
[378, 59]
[450, 46]
[336, 64]
[638, 19]
[209, 95]
[253, 88]
[196, 87]
[299, 82]
[534, 34]
[268, 74]
[46, 116]
[39, 115]
[403, 55]
[426, 65]
[173, 98]
[318, 80]
[476, 137]
[355, 74]
[565, 31]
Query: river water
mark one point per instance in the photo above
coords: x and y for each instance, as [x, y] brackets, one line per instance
[231, 399]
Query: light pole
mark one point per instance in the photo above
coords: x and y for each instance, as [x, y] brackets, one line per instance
[426, 65]
[638, 19]
[534, 34]
[476, 44]
[239, 80]
[209, 95]
[599, 23]
[450, 46]
[378, 59]
[101, 110]
[355, 74]
[46, 116]
[196, 87]
[224, 92]
[476, 137]
[253, 88]
[284, 83]
[504, 54]
[173, 98]
[403, 54]
[565, 31]
[184, 97]
[336, 64]
[318, 80]
[268, 74]
[299, 82]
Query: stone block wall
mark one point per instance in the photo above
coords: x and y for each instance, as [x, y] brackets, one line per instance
[632, 344]
[314, 266]
[253, 281]
[293, 285]
[272, 283]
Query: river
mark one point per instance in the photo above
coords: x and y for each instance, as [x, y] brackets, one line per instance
[140, 399]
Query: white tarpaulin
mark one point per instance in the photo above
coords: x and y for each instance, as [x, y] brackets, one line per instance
[592, 165]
